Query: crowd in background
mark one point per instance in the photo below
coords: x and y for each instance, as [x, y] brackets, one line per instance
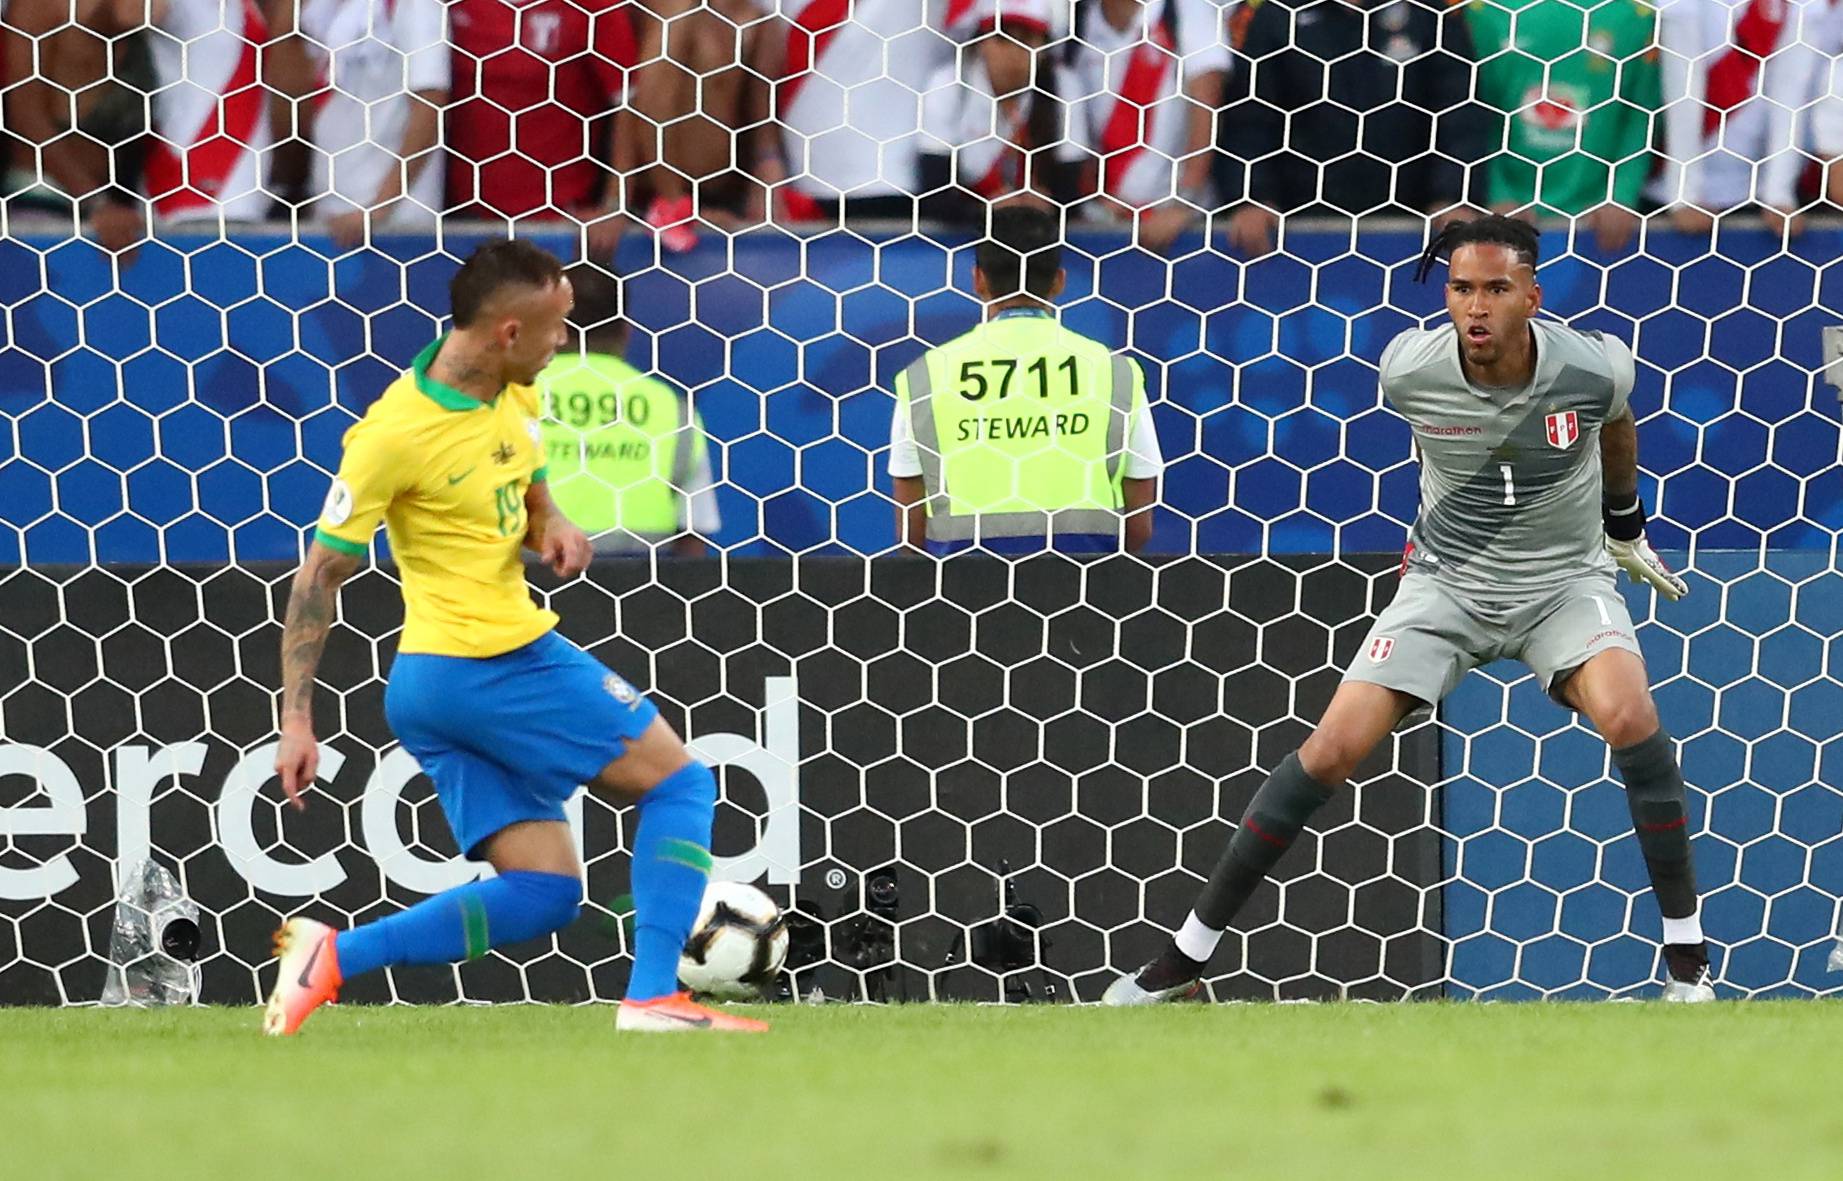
[692, 116]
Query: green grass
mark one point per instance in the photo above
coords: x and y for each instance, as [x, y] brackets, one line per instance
[1250, 1091]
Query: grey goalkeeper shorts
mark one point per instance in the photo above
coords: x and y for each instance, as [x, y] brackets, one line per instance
[1432, 635]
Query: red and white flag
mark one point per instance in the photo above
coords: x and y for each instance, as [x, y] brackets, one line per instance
[1128, 130]
[1734, 77]
[210, 115]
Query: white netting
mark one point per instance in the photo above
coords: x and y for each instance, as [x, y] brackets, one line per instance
[904, 741]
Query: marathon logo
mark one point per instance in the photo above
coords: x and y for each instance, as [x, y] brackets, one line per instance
[1034, 426]
[1439, 431]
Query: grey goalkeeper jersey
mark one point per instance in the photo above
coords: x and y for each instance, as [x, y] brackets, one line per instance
[1510, 479]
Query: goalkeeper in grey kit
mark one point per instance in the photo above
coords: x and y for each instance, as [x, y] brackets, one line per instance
[1529, 503]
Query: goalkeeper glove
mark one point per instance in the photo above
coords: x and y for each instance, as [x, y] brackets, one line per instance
[1624, 517]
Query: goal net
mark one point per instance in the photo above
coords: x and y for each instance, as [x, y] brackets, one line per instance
[965, 778]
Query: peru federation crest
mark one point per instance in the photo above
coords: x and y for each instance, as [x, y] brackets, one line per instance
[1564, 429]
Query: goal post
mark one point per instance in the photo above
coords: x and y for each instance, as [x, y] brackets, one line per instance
[967, 779]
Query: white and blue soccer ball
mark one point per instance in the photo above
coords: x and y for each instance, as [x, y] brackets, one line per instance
[736, 946]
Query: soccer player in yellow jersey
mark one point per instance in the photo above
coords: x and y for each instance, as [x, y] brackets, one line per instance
[504, 715]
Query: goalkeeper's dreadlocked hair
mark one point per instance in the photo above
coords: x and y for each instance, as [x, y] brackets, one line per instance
[1494, 229]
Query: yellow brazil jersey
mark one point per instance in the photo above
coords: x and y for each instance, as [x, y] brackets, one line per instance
[447, 475]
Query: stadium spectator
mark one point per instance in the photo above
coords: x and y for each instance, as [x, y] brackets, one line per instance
[1740, 85]
[207, 158]
[1349, 108]
[11, 45]
[1827, 132]
[1577, 86]
[1146, 79]
[73, 123]
[992, 124]
[627, 456]
[701, 114]
[293, 79]
[384, 70]
[531, 131]
[849, 99]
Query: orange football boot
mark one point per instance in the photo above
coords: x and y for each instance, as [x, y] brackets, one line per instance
[309, 975]
[677, 1013]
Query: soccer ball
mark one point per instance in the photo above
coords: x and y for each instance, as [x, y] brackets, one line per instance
[736, 946]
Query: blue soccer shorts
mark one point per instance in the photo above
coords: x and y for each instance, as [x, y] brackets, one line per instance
[510, 738]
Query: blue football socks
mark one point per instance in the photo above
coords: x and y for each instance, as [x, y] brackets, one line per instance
[671, 865]
[462, 923]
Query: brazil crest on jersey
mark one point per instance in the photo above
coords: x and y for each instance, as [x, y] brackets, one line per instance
[447, 476]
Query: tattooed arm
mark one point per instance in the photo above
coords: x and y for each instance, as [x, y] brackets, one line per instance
[311, 606]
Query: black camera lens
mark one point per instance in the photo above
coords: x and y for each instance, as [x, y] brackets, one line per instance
[180, 939]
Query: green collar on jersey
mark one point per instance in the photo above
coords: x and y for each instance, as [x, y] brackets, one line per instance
[445, 396]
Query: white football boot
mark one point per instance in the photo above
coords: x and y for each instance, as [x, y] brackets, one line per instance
[1170, 977]
[1687, 979]
[1698, 991]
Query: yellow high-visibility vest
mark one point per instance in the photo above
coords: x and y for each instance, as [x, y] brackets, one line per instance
[621, 446]
[1021, 426]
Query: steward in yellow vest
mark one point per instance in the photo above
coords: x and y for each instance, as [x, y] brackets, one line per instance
[628, 459]
[1022, 435]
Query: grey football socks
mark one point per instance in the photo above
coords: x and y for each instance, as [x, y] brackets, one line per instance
[1660, 818]
[1273, 821]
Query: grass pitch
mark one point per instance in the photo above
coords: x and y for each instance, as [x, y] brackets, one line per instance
[1421, 1091]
